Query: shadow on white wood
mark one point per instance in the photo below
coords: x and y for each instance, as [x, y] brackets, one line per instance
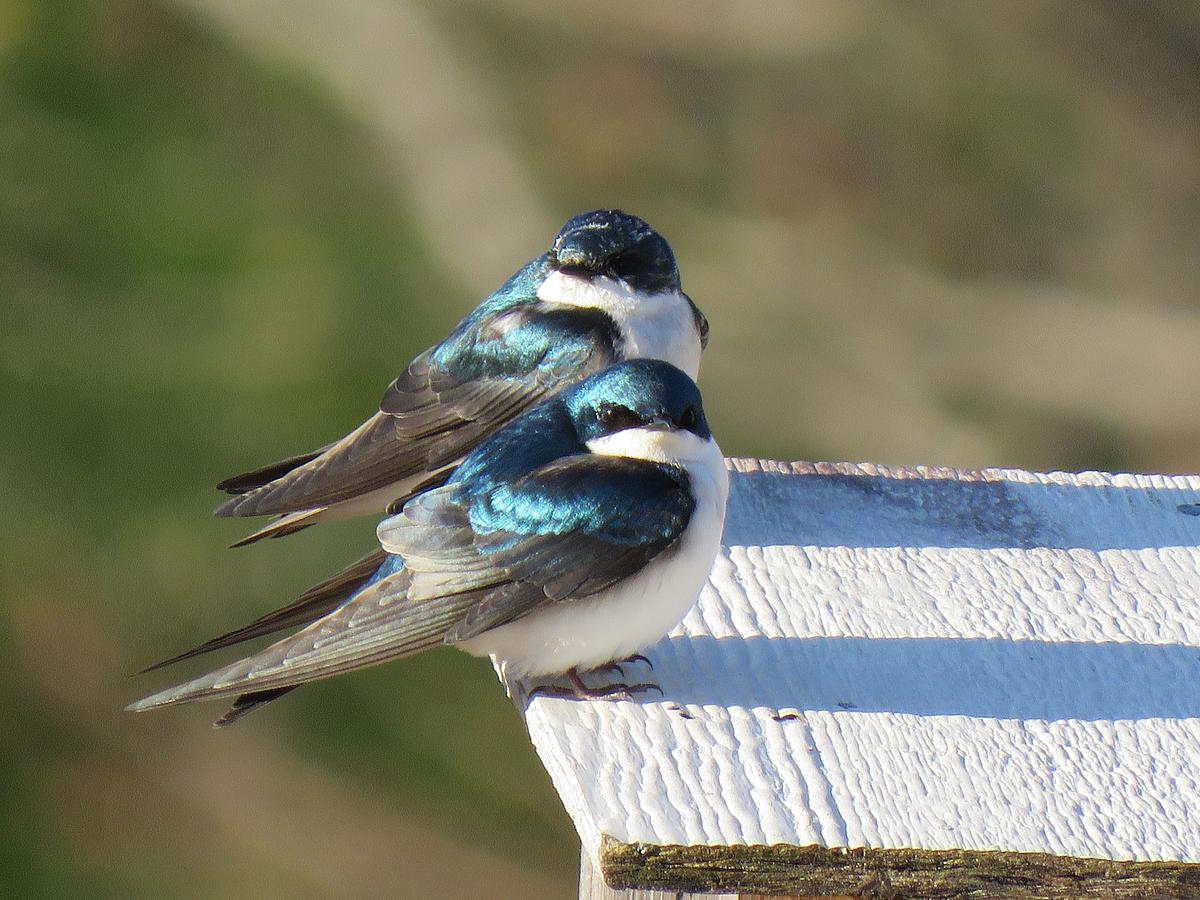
[915, 658]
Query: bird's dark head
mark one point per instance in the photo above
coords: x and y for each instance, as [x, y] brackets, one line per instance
[617, 245]
[640, 393]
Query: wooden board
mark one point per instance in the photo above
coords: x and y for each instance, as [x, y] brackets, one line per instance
[915, 659]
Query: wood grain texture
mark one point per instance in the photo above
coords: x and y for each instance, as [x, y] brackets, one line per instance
[784, 870]
[592, 886]
[915, 659]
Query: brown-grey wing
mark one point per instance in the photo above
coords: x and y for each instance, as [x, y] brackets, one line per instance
[378, 624]
[384, 452]
[255, 478]
[317, 601]
[458, 582]
[248, 703]
[434, 414]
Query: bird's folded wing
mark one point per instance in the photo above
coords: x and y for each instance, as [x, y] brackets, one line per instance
[319, 600]
[567, 530]
[248, 481]
[378, 624]
[474, 561]
[445, 403]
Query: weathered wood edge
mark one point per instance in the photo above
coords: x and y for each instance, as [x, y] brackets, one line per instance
[1087, 478]
[782, 869]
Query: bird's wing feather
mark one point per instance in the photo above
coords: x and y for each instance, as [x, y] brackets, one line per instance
[567, 530]
[451, 397]
[317, 601]
[283, 525]
[248, 481]
[248, 703]
[377, 624]
[474, 561]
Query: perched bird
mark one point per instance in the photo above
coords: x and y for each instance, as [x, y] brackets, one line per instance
[575, 536]
[607, 290]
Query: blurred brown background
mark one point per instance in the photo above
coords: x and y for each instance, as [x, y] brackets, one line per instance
[955, 233]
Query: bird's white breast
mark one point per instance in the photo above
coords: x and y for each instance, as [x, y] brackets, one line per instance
[652, 326]
[636, 612]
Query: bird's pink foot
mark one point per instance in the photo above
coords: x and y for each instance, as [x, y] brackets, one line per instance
[580, 690]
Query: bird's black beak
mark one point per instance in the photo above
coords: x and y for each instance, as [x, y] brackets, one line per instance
[577, 272]
[659, 422]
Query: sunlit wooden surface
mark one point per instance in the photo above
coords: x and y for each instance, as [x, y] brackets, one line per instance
[894, 660]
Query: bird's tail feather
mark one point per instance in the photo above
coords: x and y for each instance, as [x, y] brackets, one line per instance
[248, 703]
[282, 526]
[377, 624]
[256, 478]
[319, 600]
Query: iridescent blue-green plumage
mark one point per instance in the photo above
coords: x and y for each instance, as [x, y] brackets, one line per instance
[611, 243]
[608, 498]
[507, 355]
[533, 505]
[608, 242]
[531, 518]
[537, 506]
[566, 531]
[648, 388]
[532, 340]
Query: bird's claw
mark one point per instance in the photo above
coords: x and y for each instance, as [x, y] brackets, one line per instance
[610, 667]
[579, 690]
[618, 665]
[616, 691]
[621, 691]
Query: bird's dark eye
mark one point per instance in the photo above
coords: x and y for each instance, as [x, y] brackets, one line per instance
[624, 264]
[689, 418]
[615, 417]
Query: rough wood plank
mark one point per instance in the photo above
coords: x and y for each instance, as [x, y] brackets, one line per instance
[915, 659]
[818, 871]
[592, 886]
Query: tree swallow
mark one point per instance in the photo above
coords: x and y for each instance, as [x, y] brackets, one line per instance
[577, 535]
[607, 290]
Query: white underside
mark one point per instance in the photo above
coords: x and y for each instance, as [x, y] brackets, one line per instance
[378, 500]
[372, 503]
[635, 613]
[653, 326]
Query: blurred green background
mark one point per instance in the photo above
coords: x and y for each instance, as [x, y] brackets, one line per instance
[951, 233]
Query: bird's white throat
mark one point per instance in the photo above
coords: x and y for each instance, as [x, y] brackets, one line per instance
[675, 447]
[652, 326]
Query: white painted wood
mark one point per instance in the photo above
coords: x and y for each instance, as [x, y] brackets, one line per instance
[924, 658]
